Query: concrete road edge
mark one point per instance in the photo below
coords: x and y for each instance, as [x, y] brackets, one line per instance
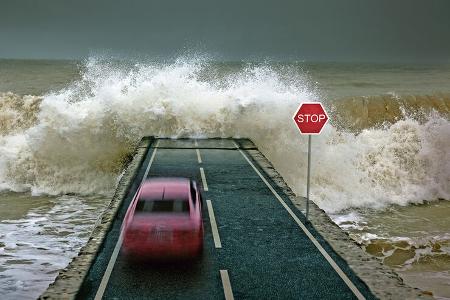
[70, 279]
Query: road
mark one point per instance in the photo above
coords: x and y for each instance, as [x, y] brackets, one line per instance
[257, 245]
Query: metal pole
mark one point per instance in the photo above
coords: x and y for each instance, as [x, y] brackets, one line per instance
[307, 178]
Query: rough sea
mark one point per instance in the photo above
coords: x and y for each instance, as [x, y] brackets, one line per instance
[381, 167]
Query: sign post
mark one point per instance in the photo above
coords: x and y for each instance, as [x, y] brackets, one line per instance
[310, 118]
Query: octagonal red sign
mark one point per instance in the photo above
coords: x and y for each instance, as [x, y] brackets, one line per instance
[310, 117]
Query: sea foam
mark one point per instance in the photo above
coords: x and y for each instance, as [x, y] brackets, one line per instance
[77, 140]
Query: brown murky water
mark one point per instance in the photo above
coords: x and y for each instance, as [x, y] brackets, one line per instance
[414, 240]
[38, 237]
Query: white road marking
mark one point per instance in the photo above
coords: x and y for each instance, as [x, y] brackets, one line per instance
[150, 162]
[235, 144]
[205, 185]
[195, 143]
[109, 268]
[112, 260]
[199, 158]
[333, 264]
[212, 219]
[226, 285]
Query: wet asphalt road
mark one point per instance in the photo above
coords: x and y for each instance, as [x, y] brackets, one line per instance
[263, 250]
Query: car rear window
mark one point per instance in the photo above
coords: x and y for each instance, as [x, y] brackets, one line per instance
[162, 206]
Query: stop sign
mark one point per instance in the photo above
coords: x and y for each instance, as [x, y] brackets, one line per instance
[310, 117]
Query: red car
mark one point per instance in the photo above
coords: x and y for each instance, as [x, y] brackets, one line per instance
[164, 220]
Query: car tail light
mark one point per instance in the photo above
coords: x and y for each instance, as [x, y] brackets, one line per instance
[134, 232]
[186, 234]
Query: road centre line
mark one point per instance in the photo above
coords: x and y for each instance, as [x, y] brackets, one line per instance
[199, 158]
[333, 264]
[226, 285]
[212, 220]
[112, 260]
[205, 184]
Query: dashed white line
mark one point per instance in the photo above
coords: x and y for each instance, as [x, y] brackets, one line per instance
[205, 184]
[199, 158]
[226, 285]
[112, 260]
[333, 264]
[212, 220]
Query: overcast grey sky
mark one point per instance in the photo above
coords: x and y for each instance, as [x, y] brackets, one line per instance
[330, 30]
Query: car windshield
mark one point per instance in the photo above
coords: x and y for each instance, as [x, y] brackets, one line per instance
[162, 206]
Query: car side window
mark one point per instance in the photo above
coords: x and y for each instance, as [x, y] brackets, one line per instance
[193, 194]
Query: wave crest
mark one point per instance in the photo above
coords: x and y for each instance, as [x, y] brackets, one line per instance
[17, 113]
[76, 140]
[357, 113]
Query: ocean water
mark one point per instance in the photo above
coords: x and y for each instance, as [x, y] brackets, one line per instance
[381, 167]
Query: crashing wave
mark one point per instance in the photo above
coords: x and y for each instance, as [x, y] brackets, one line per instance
[77, 140]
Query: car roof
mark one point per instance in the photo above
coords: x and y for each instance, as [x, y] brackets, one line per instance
[165, 188]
